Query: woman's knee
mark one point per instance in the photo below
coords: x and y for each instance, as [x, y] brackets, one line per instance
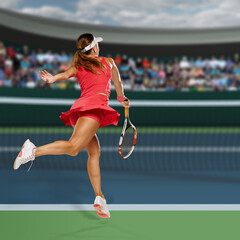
[94, 154]
[73, 149]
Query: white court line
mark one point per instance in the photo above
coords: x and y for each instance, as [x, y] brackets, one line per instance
[121, 207]
[153, 149]
[135, 103]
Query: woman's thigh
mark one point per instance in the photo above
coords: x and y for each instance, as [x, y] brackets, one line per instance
[83, 132]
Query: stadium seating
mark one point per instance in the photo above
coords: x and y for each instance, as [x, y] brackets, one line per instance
[19, 68]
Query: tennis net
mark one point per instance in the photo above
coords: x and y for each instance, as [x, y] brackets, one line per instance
[162, 148]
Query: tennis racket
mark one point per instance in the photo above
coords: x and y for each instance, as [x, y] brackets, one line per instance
[128, 137]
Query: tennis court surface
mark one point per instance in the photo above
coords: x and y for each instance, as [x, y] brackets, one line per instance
[122, 225]
[172, 174]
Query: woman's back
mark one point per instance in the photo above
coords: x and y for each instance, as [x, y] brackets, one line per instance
[92, 83]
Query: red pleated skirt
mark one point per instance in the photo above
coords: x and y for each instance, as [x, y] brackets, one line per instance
[95, 105]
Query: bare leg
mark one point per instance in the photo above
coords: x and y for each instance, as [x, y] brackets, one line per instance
[93, 149]
[84, 131]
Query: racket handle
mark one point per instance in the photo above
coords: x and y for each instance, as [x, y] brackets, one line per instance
[126, 112]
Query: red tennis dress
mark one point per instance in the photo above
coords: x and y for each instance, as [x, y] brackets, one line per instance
[91, 103]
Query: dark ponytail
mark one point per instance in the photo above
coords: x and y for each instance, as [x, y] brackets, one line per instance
[81, 59]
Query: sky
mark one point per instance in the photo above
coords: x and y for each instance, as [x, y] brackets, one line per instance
[161, 14]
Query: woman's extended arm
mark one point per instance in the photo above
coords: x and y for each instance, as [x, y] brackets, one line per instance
[118, 85]
[49, 78]
[117, 79]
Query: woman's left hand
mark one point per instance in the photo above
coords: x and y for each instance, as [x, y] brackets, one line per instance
[46, 76]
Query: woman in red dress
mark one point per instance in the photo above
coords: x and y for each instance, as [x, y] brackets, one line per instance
[87, 114]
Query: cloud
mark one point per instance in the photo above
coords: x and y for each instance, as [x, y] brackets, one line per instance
[10, 4]
[49, 11]
[150, 5]
[59, 13]
[151, 13]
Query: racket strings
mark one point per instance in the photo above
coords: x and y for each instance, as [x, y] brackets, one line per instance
[127, 141]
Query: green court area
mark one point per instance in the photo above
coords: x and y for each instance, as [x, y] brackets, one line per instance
[123, 225]
[118, 130]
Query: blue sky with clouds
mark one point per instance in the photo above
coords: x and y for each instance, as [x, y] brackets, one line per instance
[136, 13]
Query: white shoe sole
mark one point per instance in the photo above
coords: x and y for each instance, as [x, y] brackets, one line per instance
[99, 208]
[14, 165]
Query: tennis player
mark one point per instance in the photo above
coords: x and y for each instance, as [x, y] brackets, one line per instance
[87, 114]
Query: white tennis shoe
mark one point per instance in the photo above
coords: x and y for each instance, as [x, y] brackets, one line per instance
[100, 205]
[26, 154]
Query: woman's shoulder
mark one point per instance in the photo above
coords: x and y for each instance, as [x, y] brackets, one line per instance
[72, 70]
[109, 61]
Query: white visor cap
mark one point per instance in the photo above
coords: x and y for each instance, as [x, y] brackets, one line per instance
[93, 43]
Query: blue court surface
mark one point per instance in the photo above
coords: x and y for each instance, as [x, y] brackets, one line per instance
[120, 187]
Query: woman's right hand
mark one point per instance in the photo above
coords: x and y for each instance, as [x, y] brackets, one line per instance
[46, 76]
[126, 103]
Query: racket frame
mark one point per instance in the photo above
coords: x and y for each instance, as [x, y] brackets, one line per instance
[124, 129]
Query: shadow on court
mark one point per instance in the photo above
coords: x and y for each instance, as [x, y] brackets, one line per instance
[93, 227]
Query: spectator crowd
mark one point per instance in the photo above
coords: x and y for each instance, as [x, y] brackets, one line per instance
[20, 69]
